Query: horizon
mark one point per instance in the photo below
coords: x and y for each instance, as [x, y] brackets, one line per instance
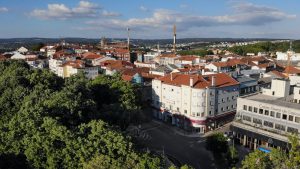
[249, 19]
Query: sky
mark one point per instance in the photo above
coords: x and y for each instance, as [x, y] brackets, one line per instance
[150, 19]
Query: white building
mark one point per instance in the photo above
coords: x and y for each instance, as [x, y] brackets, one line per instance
[51, 51]
[146, 64]
[196, 102]
[22, 50]
[54, 63]
[149, 56]
[284, 56]
[266, 119]
[18, 55]
[73, 67]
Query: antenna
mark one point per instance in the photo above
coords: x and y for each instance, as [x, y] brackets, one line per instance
[289, 54]
[128, 39]
[174, 40]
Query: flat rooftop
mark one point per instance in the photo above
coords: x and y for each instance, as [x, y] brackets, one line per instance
[283, 102]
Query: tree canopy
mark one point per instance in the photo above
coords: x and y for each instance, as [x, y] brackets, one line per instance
[265, 47]
[276, 159]
[50, 122]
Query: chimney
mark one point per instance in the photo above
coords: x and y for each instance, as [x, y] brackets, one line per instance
[203, 72]
[191, 82]
[213, 81]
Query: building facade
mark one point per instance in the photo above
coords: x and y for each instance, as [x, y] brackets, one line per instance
[266, 119]
[195, 102]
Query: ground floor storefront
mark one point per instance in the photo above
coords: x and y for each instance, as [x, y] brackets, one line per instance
[253, 140]
[191, 124]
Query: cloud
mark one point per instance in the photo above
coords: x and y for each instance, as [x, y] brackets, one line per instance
[243, 14]
[3, 9]
[61, 11]
[110, 14]
[143, 8]
[183, 6]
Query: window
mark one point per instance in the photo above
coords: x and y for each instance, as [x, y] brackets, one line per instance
[223, 100]
[177, 108]
[172, 90]
[284, 116]
[272, 114]
[261, 111]
[291, 118]
[198, 114]
[278, 115]
[268, 124]
[245, 107]
[273, 93]
[266, 112]
[209, 112]
[247, 118]
[232, 106]
[279, 127]
[250, 108]
[222, 109]
[227, 98]
[227, 107]
[232, 97]
[255, 110]
[185, 111]
[297, 119]
[202, 114]
[257, 121]
[292, 130]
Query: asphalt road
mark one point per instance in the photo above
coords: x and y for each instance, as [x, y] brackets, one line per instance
[186, 150]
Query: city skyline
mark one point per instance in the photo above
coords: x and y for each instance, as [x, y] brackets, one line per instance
[149, 20]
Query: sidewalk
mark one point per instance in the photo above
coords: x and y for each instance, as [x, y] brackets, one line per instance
[182, 132]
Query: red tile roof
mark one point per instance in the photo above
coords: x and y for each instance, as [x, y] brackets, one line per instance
[220, 64]
[188, 58]
[167, 55]
[222, 80]
[291, 70]
[2, 57]
[90, 55]
[279, 74]
[117, 64]
[75, 64]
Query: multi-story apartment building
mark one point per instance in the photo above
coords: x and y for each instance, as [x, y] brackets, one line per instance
[70, 68]
[266, 119]
[196, 102]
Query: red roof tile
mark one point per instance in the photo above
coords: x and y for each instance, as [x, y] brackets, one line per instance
[291, 70]
[222, 80]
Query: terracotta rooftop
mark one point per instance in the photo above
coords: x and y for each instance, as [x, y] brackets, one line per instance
[291, 70]
[222, 80]
[78, 64]
[90, 55]
[279, 74]
[167, 55]
[220, 64]
[117, 64]
[2, 57]
[188, 58]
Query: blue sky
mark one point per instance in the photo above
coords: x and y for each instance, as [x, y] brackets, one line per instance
[149, 19]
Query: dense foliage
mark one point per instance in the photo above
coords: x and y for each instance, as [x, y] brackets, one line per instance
[265, 47]
[224, 154]
[276, 159]
[49, 122]
[199, 52]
